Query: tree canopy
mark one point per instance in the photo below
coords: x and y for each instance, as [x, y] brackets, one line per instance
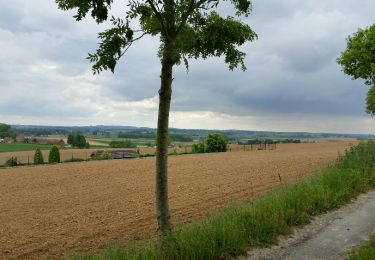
[6, 131]
[216, 143]
[358, 61]
[77, 140]
[194, 27]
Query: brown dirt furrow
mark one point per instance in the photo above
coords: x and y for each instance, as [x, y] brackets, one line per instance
[50, 210]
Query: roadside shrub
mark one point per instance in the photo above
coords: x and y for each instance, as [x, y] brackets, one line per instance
[38, 157]
[13, 161]
[54, 155]
[361, 157]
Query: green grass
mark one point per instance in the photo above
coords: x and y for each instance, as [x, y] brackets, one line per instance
[18, 147]
[366, 252]
[259, 222]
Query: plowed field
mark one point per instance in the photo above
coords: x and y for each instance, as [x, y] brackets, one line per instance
[46, 211]
[66, 154]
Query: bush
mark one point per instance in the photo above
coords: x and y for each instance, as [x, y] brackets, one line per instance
[216, 143]
[38, 157]
[13, 161]
[198, 148]
[54, 155]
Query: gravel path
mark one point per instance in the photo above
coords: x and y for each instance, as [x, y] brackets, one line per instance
[330, 236]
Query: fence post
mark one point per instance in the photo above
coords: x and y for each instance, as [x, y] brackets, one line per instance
[28, 160]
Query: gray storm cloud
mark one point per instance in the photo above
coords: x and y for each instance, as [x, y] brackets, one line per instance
[292, 73]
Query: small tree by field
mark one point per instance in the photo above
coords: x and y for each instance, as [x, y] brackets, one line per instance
[78, 140]
[216, 143]
[54, 155]
[358, 61]
[187, 29]
[6, 131]
[38, 157]
[13, 161]
[213, 143]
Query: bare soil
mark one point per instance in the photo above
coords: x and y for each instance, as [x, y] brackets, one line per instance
[47, 211]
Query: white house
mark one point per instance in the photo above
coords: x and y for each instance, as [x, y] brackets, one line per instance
[2, 140]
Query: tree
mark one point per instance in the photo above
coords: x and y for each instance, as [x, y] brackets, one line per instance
[77, 140]
[187, 29]
[12, 161]
[216, 143]
[70, 139]
[38, 157]
[5, 131]
[54, 155]
[358, 61]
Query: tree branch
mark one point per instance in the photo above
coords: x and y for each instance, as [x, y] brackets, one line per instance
[159, 17]
[130, 44]
[192, 7]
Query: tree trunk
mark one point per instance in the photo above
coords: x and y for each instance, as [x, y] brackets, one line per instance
[165, 93]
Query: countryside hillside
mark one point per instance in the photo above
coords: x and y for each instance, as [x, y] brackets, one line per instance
[187, 129]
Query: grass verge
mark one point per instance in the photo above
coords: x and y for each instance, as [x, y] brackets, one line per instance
[366, 252]
[259, 222]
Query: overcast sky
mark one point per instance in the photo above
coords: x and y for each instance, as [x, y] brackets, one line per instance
[292, 83]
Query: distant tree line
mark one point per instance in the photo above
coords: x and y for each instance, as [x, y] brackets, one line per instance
[271, 141]
[152, 135]
[136, 135]
[41, 131]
